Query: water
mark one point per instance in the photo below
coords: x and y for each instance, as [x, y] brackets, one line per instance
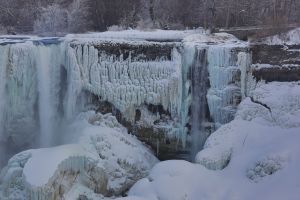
[3, 64]
[200, 79]
[48, 75]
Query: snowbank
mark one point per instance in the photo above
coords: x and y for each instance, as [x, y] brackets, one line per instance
[256, 156]
[44, 162]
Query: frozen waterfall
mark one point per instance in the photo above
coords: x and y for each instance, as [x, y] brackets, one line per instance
[200, 81]
[48, 75]
[3, 74]
[44, 84]
[30, 92]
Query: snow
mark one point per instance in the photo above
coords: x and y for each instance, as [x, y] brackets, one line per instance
[256, 156]
[136, 35]
[282, 100]
[214, 39]
[290, 38]
[44, 162]
[252, 157]
[101, 159]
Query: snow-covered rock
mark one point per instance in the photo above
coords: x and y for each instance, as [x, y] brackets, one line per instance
[104, 161]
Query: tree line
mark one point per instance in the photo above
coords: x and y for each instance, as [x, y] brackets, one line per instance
[74, 16]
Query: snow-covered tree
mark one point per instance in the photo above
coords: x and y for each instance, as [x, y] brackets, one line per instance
[78, 16]
[52, 21]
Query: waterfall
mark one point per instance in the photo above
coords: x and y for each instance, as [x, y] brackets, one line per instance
[48, 65]
[199, 77]
[3, 74]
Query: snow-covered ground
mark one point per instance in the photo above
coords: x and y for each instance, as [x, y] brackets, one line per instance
[133, 35]
[290, 38]
[154, 35]
[256, 156]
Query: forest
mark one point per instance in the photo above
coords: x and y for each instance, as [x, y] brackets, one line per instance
[77, 16]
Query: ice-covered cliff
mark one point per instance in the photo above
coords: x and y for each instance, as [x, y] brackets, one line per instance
[172, 92]
[146, 81]
[255, 156]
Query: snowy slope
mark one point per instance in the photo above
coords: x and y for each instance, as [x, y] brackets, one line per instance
[260, 155]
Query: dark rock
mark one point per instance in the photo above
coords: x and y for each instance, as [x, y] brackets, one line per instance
[275, 54]
[277, 73]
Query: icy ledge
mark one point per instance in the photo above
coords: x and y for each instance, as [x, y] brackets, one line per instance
[256, 155]
[105, 161]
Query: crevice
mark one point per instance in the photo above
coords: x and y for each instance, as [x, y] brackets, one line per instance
[265, 106]
[262, 104]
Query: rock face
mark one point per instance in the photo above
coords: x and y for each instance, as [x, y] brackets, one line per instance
[105, 161]
[276, 62]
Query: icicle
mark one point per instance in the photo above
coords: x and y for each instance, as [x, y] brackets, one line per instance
[126, 83]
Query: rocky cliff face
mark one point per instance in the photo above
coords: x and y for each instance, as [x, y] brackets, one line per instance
[276, 62]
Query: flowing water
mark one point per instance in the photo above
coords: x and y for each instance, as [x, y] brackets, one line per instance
[48, 71]
[200, 79]
[3, 63]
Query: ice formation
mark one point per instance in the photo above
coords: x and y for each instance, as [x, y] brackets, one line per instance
[224, 74]
[127, 83]
[45, 83]
[105, 159]
[215, 82]
[50, 80]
